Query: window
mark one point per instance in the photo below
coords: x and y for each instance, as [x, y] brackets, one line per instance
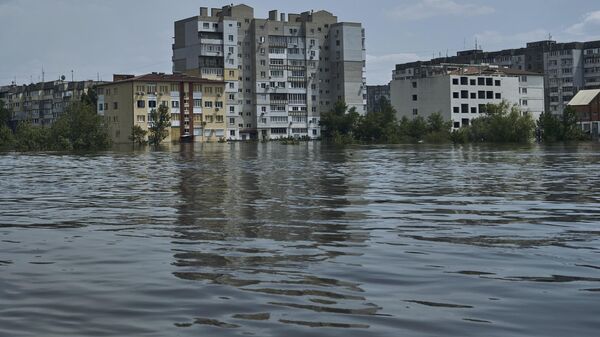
[152, 104]
[414, 97]
[219, 119]
[523, 90]
[208, 104]
[482, 108]
[524, 102]
[464, 80]
[175, 104]
[489, 82]
[100, 107]
[489, 94]
[481, 94]
[141, 118]
[465, 122]
[455, 95]
[473, 110]
[473, 95]
[456, 125]
[464, 108]
[232, 133]
[497, 83]
[455, 81]
[498, 95]
[230, 38]
[523, 78]
[231, 121]
[456, 110]
[219, 104]
[480, 81]
[415, 112]
[197, 103]
[414, 84]
[473, 82]
[116, 105]
[206, 25]
[141, 104]
[464, 94]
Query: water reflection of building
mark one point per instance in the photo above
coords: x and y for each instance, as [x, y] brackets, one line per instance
[260, 218]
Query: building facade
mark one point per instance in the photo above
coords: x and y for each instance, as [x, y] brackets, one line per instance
[567, 67]
[197, 106]
[461, 92]
[374, 95]
[42, 103]
[280, 73]
[587, 105]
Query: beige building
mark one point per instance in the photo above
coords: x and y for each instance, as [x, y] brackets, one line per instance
[196, 106]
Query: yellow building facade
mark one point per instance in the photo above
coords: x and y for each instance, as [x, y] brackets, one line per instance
[197, 106]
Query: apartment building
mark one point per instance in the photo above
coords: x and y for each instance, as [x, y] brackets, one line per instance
[197, 106]
[374, 95]
[567, 67]
[461, 92]
[280, 72]
[42, 103]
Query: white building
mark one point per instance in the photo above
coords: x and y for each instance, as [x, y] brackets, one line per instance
[460, 93]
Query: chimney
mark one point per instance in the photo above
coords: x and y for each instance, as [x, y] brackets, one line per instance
[273, 15]
[282, 17]
[204, 11]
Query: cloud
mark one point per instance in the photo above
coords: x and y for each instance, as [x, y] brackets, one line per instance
[380, 67]
[425, 9]
[589, 25]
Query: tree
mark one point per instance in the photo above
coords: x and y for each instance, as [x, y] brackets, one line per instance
[79, 128]
[138, 135]
[560, 128]
[379, 126]
[160, 122]
[438, 130]
[5, 114]
[90, 97]
[339, 123]
[31, 138]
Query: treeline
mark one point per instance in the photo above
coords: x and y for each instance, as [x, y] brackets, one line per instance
[79, 128]
[501, 123]
[341, 125]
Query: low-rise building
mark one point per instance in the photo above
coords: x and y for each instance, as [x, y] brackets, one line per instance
[461, 92]
[196, 105]
[42, 103]
[587, 105]
[374, 95]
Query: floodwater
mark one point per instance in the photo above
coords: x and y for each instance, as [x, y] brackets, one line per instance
[297, 240]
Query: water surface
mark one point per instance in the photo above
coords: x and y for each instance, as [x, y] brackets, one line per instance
[275, 240]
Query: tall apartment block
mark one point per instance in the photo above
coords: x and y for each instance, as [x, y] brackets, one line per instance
[42, 103]
[567, 67]
[280, 73]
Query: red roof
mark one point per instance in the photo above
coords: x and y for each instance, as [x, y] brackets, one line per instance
[162, 77]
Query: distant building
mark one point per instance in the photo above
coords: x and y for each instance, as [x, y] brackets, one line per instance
[42, 103]
[374, 95]
[197, 106]
[281, 72]
[587, 105]
[461, 92]
[567, 67]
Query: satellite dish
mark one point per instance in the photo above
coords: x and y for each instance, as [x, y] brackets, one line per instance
[62, 78]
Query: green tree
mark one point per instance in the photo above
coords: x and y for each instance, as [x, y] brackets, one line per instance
[5, 114]
[340, 123]
[31, 138]
[571, 129]
[438, 130]
[379, 126]
[563, 128]
[138, 135]
[160, 122]
[79, 128]
[90, 97]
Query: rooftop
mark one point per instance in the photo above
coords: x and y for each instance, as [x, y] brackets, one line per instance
[161, 77]
[584, 97]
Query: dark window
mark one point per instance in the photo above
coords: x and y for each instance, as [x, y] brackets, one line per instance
[464, 81]
[489, 94]
[464, 108]
[464, 94]
[473, 95]
[489, 82]
[141, 104]
[465, 122]
[414, 84]
[414, 97]
[480, 81]
[456, 125]
[455, 81]
[473, 82]
[481, 94]
[152, 104]
[498, 95]
[497, 83]
[482, 108]
[455, 94]
[456, 109]
[473, 110]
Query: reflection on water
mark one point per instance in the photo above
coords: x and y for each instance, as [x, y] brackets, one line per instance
[270, 240]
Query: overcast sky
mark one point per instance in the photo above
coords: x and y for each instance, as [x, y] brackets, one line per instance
[134, 36]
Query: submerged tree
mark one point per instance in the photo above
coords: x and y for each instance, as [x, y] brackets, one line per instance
[159, 124]
[555, 128]
[339, 123]
[138, 135]
[79, 128]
